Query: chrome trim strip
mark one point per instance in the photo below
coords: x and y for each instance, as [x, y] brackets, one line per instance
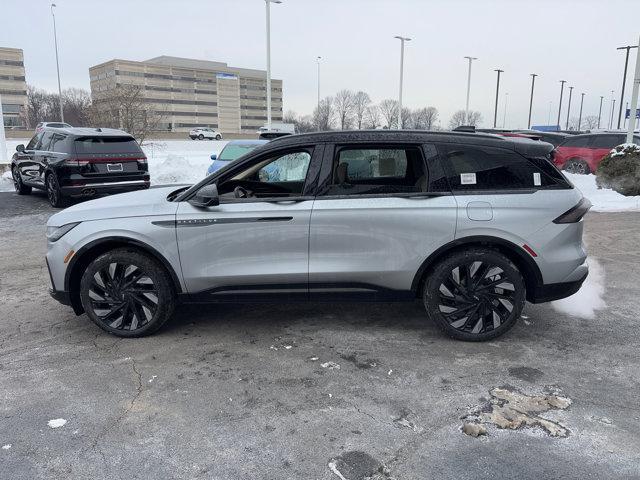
[205, 222]
[130, 182]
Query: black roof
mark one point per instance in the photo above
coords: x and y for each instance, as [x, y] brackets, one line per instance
[522, 145]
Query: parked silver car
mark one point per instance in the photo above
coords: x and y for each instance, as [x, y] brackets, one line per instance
[472, 224]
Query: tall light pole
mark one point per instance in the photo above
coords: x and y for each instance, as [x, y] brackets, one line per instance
[613, 103]
[613, 109]
[504, 114]
[55, 41]
[580, 115]
[624, 77]
[634, 98]
[3, 140]
[268, 5]
[562, 82]
[466, 109]
[600, 110]
[549, 116]
[495, 113]
[402, 40]
[318, 61]
[569, 108]
[533, 82]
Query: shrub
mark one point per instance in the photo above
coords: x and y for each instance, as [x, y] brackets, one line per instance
[620, 170]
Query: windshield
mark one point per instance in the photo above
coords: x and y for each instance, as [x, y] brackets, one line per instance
[232, 152]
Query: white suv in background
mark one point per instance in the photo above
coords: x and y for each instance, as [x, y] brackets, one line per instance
[201, 133]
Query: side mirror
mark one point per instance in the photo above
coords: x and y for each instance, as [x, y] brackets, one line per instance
[214, 156]
[207, 196]
[20, 148]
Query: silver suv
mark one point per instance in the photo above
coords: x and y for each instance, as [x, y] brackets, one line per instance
[471, 224]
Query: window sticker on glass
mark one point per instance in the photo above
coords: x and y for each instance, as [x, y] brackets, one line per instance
[467, 178]
[537, 181]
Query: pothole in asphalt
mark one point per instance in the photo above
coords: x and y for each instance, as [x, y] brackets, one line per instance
[508, 408]
[357, 465]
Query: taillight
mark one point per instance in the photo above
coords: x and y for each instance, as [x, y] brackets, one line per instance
[576, 213]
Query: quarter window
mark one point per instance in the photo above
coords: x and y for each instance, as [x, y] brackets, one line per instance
[377, 170]
[607, 141]
[45, 141]
[484, 168]
[577, 142]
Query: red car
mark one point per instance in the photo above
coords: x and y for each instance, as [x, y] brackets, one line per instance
[583, 153]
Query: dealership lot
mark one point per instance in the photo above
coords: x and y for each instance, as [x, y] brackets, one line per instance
[308, 390]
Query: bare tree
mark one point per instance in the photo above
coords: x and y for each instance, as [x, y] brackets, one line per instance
[372, 117]
[127, 108]
[589, 122]
[389, 111]
[425, 118]
[458, 119]
[361, 102]
[344, 104]
[407, 118]
[303, 124]
[76, 107]
[323, 115]
[36, 107]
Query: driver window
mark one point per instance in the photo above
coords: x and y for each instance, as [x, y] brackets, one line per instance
[33, 142]
[279, 175]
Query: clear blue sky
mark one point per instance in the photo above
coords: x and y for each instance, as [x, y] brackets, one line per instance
[571, 40]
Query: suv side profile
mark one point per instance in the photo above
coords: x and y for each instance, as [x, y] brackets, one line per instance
[471, 224]
[201, 133]
[583, 153]
[79, 162]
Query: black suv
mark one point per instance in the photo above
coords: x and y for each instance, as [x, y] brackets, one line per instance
[79, 162]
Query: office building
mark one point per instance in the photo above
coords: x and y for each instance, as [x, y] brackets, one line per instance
[13, 86]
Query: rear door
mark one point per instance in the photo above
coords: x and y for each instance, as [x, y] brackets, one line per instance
[378, 215]
[41, 158]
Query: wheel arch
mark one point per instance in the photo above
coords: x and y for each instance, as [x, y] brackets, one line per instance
[94, 249]
[527, 266]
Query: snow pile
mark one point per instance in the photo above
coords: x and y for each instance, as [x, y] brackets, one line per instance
[588, 299]
[57, 423]
[625, 149]
[603, 199]
[6, 182]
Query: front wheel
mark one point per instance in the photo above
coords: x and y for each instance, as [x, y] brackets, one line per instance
[127, 293]
[218, 137]
[577, 165]
[475, 294]
[201, 137]
[21, 188]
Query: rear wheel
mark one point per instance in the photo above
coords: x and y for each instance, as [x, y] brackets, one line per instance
[474, 295]
[127, 293]
[201, 137]
[577, 165]
[21, 188]
[218, 137]
[53, 191]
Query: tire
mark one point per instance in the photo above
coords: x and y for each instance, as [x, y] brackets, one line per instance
[54, 194]
[127, 293]
[201, 137]
[218, 137]
[21, 188]
[460, 284]
[577, 165]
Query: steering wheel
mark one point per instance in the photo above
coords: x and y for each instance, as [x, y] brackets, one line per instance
[240, 192]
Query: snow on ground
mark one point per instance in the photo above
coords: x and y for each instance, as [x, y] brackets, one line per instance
[186, 161]
[57, 423]
[588, 299]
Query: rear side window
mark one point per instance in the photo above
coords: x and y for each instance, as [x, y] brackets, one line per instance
[577, 142]
[472, 168]
[58, 143]
[106, 145]
[607, 141]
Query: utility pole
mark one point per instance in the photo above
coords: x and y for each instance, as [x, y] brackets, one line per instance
[268, 18]
[624, 77]
[533, 82]
[504, 115]
[55, 41]
[466, 109]
[318, 61]
[634, 98]
[569, 108]
[495, 113]
[402, 40]
[3, 140]
[562, 82]
[600, 110]
[580, 115]
[613, 109]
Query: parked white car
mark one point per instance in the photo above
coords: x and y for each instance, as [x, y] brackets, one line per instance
[203, 132]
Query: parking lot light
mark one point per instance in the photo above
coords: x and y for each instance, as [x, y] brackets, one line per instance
[533, 82]
[466, 109]
[562, 82]
[495, 112]
[55, 41]
[402, 40]
[569, 108]
[268, 5]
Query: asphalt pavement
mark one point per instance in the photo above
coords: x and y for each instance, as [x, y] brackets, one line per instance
[314, 391]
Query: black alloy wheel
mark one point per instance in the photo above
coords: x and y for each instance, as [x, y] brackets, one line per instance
[127, 293]
[577, 165]
[53, 191]
[475, 295]
[21, 188]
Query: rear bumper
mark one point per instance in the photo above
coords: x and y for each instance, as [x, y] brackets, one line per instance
[556, 291]
[97, 187]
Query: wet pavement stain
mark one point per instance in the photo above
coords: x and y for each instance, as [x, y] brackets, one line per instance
[508, 408]
[528, 374]
[355, 465]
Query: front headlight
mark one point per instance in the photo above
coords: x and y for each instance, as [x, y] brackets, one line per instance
[56, 233]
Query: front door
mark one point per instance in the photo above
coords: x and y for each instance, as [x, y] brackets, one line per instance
[26, 161]
[379, 215]
[256, 242]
